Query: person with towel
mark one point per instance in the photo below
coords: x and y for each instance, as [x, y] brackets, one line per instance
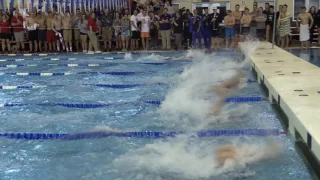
[304, 27]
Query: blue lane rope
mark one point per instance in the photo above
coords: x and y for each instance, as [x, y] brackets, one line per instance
[71, 65]
[152, 102]
[66, 74]
[144, 134]
[114, 86]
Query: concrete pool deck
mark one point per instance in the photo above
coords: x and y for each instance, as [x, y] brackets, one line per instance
[292, 83]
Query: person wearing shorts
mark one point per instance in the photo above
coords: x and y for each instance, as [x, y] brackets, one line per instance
[215, 34]
[125, 35]
[50, 34]
[229, 30]
[245, 21]
[261, 19]
[41, 21]
[33, 32]
[17, 24]
[145, 29]
[67, 32]
[135, 30]
[107, 31]
[5, 33]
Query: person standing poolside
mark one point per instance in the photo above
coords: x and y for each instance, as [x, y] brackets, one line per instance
[237, 15]
[57, 28]
[165, 27]
[117, 30]
[178, 30]
[216, 20]
[305, 27]
[41, 21]
[284, 27]
[92, 33]
[17, 24]
[270, 24]
[135, 30]
[187, 35]
[5, 33]
[50, 34]
[33, 32]
[145, 29]
[253, 25]
[83, 26]
[207, 28]
[196, 22]
[106, 25]
[154, 28]
[67, 31]
[313, 13]
[76, 31]
[245, 21]
[125, 34]
[229, 21]
[261, 19]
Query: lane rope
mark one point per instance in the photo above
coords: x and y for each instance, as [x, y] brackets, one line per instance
[67, 73]
[101, 105]
[143, 134]
[113, 86]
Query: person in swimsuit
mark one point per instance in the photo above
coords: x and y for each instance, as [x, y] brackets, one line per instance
[304, 28]
[229, 21]
[67, 32]
[237, 14]
[33, 32]
[41, 20]
[245, 21]
[224, 89]
[50, 34]
[56, 27]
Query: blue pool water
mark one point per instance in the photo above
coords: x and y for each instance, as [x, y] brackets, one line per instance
[115, 158]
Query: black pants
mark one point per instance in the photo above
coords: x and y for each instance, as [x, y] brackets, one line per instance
[311, 33]
[187, 36]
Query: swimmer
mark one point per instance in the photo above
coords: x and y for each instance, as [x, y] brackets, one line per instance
[246, 155]
[175, 58]
[223, 90]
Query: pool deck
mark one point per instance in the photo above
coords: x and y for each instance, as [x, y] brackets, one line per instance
[294, 84]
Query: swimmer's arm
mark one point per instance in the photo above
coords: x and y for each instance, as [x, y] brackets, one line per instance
[297, 21]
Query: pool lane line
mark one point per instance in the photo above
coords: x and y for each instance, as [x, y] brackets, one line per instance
[67, 74]
[145, 134]
[114, 86]
[102, 105]
[75, 65]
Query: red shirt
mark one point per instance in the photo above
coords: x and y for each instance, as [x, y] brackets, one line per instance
[17, 28]
[93, 24]
[5, 27]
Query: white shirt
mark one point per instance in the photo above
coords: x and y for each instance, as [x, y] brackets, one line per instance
[135, 21]
[145, 23]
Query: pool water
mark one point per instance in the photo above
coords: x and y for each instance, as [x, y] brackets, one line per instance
[116, 158]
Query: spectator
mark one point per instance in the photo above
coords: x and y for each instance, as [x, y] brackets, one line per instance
[207, 28]
[117, 30]
[76, 31]
[106, 25]
[135, 30]
[41, 21]
[270, 23]
[5, 33]
[245, 21]
[253, 25]
[284, 27]
[17, 24]
[277, 30]
[261, 19]
[266, 10]
[165, 29]
[67, 32]
[237, 15]
[50, 34]
[125, 28]
[83, 26]
[187, 35]
[229, 21]
[313, 13]
[33, 32]
[92, 31]
[306, 23]
[57, 28]
[195, 27]
[154, 27]
[145, 29]
[216, 20]
[170, 9]
[177, 30]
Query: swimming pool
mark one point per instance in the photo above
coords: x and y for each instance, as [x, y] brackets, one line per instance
[118, 158]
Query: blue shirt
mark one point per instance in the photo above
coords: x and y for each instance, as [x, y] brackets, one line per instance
[194, 27]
